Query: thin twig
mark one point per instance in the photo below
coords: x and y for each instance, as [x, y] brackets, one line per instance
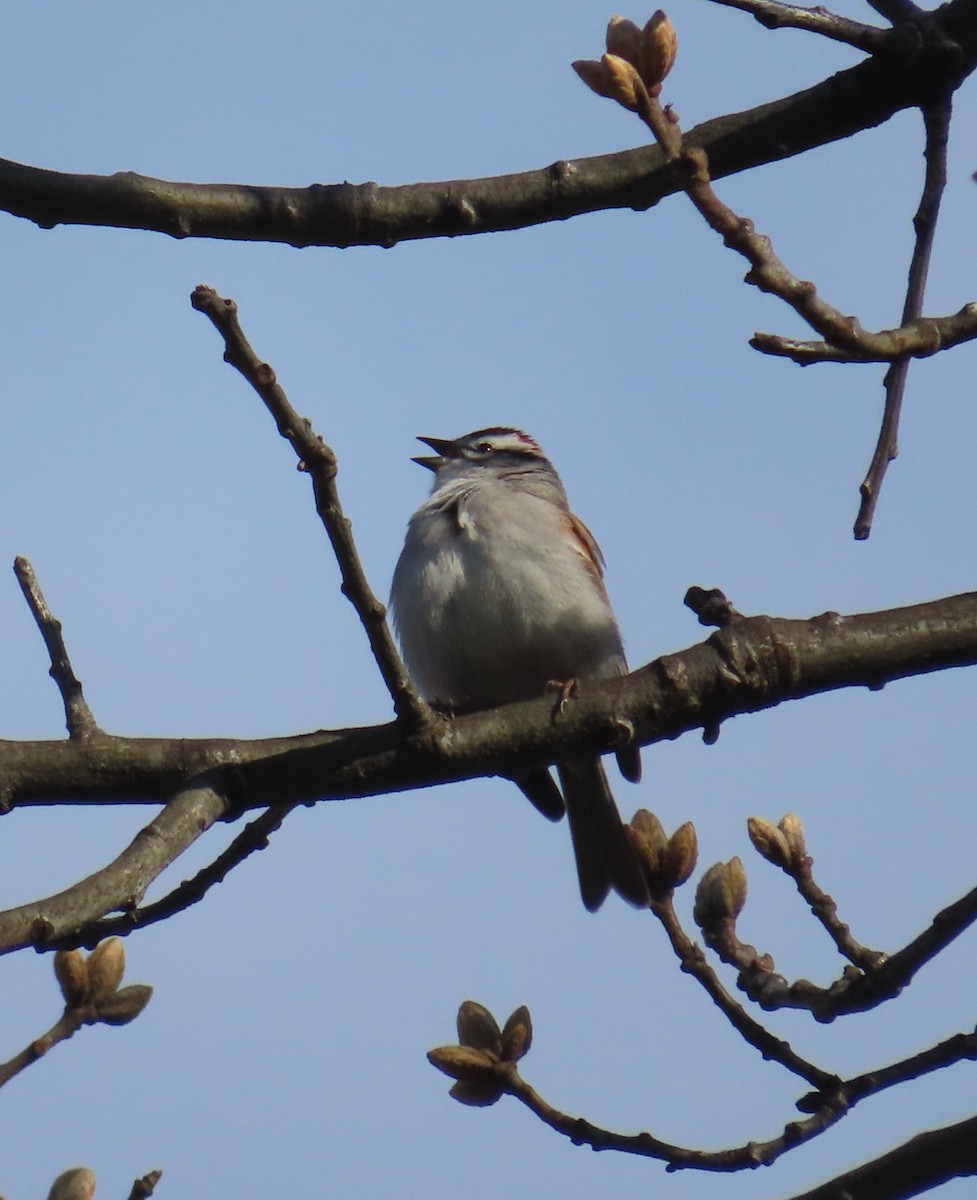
[959, 1048]
[66, 1026]
[739, 1158]
[770, 274]
[695, 964]
[78, 716]
[916, 339]
[319, 460]
[252, 838]
[49, 923]
[773, 15]
[936, 119]
[144, 1187]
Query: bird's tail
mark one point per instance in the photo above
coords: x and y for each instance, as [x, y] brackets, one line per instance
[605, 856]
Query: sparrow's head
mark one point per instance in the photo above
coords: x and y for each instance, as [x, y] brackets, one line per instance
[499, 448]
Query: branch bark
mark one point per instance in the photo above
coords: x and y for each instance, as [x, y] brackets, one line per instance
[928, 53]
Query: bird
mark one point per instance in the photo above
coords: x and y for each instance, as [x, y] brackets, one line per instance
[498, 595]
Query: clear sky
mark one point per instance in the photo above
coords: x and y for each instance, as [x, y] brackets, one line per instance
[283, 1051]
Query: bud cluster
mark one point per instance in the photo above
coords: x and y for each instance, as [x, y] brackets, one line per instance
[93, 983]
[482, 1046]
[636, 58]
[667, 861]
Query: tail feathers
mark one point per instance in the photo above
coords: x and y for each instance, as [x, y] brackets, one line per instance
[605, 856]
[539, 788]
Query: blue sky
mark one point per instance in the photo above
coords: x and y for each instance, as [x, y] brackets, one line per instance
[284, 1047]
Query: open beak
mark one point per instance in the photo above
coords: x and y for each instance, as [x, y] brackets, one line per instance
[444, 448]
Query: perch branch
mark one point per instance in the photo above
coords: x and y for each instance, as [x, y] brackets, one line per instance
[78, 716]
[319, 460]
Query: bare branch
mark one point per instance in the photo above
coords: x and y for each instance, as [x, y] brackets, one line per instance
[739, 1158]
[920, 338]
[346, 215]
[774, 15]
[753, 664]
[78, 716]
[121, 884]
[936, 118]
[252, 838]
[923, 1162]
[694, 963]
[319, 460]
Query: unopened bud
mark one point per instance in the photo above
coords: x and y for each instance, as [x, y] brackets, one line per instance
[123, 1006]
[478, 1029]
[679, 856]
[659, 46]
[478, 1093]
[768, 841]
[461, 1062]
[721, 894]
[792, 828]
[624, 39]
[76, 1184]
[106, 966]
[517, 1036]
[649, 839]
[624, 81]
[71, 972]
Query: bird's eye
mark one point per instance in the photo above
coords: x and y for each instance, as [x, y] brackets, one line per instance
[483, 447]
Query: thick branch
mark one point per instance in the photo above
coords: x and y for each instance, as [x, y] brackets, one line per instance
[935, 51]
[752, 664]
[923, 1162]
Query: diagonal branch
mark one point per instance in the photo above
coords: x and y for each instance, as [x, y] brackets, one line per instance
[936, 118]
[774, 15]
[78, 716]
[121, 884]
[252, 838]
[319, 461]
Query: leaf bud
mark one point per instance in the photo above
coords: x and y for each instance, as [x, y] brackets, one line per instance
[123, 1006]
[517, 1036]
[679, 856]
[478, 1029]
[479, 1093]
[461, 1062]
[792, 827]
[659, 46]
[106, 966]
[768, 841]
[71, 972]
[76, 1184]
[624, 39]
[649, 840]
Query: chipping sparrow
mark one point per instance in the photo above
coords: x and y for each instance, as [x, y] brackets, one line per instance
[497, 595]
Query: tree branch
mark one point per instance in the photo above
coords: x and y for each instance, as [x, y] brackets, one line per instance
[940, 49]
[936, 118]
[753, 664]
[319, 461]
[121, 884]
[923, 1162]
[78, 716]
